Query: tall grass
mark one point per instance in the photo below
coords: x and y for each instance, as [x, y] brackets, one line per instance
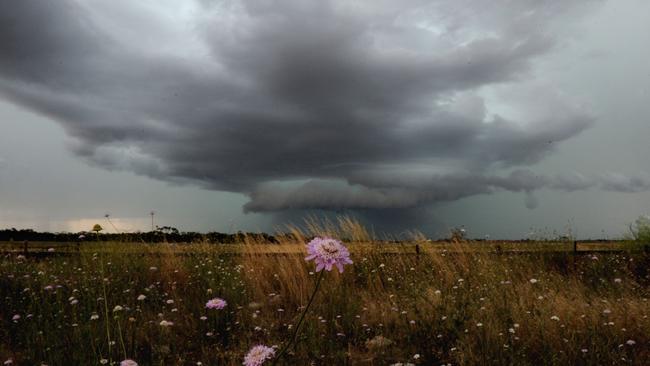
[458, 305]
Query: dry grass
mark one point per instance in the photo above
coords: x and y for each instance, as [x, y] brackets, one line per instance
[455, 304]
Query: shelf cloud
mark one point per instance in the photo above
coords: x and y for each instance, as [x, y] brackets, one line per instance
[305, 105]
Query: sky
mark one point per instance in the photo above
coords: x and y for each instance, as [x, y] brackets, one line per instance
[511, 118]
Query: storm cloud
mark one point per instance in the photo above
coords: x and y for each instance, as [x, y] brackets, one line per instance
[305, 105]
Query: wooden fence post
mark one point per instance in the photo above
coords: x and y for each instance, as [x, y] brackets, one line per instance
[25, 247]
[575, 253]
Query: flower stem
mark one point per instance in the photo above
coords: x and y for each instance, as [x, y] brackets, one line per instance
[302, 317]
[106, 321]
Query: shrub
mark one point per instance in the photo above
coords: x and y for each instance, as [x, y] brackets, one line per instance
[641, 229]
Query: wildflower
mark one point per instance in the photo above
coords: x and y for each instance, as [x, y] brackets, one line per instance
[141, 297]
[258, 355]
[128, 363]
[117, 308]
[216, 303]
[327, 252]
[94, 317]
[533, 280]
[9, 362]
[16, 317]
[556, 318]
[103, 361]
[630, 342]
[166, 323]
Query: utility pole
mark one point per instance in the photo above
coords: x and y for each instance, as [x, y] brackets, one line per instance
[152, 213]
[108, 217]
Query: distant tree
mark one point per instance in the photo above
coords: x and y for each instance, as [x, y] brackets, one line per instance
[97, 228]
[458, 234]
[640, 230]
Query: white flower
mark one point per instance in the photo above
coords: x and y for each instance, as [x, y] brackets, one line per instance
[94, 317]
[630, 342]
[117, 308]
[556, 318]
[141, 297]
[165, 323]
[533, 280]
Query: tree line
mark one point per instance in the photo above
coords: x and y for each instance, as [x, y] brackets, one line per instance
[160, 235]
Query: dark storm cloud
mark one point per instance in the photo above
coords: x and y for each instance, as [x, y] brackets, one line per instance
[303, 104]
[394, 191]
[620, 183]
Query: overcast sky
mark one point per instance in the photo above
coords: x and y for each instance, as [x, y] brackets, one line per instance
[507, 117]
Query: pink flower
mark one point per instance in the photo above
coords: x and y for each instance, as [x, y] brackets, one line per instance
[216, 303]
[258, 355]
[327, 252]
[128, 363]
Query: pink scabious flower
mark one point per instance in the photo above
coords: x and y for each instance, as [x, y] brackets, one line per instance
[216, 303]
[258, 355]
[327, 252]
[128, 363]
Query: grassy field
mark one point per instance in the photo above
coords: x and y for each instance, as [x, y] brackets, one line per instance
[460, 304]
